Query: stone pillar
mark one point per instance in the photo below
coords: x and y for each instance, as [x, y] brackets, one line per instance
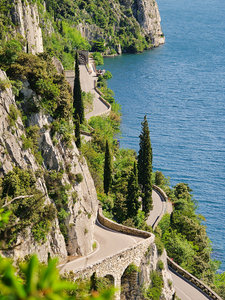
[117, 285]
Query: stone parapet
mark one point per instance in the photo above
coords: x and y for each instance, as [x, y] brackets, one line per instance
[121, 228]
[192, 279]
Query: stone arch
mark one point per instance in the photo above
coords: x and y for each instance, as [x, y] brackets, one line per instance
[110, 279]
[130, 283]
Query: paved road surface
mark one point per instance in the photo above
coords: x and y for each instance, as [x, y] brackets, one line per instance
[87, 85]
[109, 242]
[184, 290]
[158, 208]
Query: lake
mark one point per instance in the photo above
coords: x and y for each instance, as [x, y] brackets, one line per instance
[180, 86]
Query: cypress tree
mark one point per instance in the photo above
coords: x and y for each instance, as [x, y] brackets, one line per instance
[107, 169]
[133, 193]
[145, 167]
[77, 132]
[77, 95]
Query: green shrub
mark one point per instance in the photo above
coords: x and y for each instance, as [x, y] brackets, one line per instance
[13, 115]
[4, 84]
[98, 58]
[160, 265]
[155, 289]
[159, 245]
[79, 178]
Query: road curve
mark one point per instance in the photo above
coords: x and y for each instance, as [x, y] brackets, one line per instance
[184, 290]
[109, 243]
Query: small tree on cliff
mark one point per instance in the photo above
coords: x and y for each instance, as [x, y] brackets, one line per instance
[77, 95]
[133, 193]
[77, 132]
[107, 169]
[145, 167]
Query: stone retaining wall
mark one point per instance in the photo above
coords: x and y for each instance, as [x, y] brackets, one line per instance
[162, 193]
[121, 228]
[192, 279]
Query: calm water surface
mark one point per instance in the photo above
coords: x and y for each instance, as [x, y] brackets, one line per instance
[181, 88]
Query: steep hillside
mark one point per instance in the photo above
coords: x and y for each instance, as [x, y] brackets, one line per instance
[40, 162]
[64, 26]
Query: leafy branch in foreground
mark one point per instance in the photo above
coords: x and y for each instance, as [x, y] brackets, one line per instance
[38, 281]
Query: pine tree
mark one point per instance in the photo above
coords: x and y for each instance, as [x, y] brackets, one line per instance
[77, 95]
[77, 132]
[133, 193]
[145, 167]
[107, 169]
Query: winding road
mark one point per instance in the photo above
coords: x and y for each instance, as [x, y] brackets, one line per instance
[111, 242]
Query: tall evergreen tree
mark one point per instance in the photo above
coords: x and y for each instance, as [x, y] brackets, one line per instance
[77, 132]
[77, 94]
[133, 193]
[107, 169]
[145, 167]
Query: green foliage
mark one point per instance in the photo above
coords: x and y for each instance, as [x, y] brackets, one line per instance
[159, 178]
[159, 245]
[27, 211]
[88, 101]
[46, 82]
[145, 167]
[13, 115]
[58, 192]
[9, 53]
[77, 133]
[98, 58]
[78, 104]
[4, 84]
[107, 75]
[79, 177]
[220, 284]
[131, 268]
[155, 289]
[107, 169]
[31, 142]
[133, 193]
[98, 46]
[160, 265]
[184, 236]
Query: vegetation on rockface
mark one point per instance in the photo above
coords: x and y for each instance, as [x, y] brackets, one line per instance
[51, 94]
[27, 210]
[154, 291]
[78, 105]
[107, 169]
[185, 237]
[109, 25]
[145, 167]
[113, 22]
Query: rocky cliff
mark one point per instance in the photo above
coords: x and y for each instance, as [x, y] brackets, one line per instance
[25, 17]
[81, 200]
[140, 17]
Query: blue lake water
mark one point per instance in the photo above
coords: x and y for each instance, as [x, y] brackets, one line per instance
[181, 88]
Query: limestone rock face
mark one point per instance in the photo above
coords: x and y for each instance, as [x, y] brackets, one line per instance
[147, 14]
[26, 18]
[81, 212]
[135, 282]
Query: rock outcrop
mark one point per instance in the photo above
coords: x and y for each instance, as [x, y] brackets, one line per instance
[81, 211]
[25, 17]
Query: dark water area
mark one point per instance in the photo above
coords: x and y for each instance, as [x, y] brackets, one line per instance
[181, 88]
